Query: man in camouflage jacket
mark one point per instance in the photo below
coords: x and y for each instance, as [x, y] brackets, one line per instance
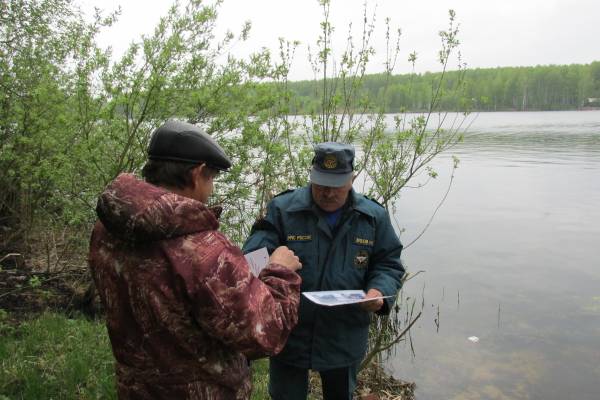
[184, 313]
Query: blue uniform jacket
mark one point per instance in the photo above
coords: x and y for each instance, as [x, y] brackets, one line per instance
[362, 252]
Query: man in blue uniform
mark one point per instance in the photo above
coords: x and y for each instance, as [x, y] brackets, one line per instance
[345, 241]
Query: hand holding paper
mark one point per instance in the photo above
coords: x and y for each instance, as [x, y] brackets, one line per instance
[258, 259]
[375, 301]
[286, 257]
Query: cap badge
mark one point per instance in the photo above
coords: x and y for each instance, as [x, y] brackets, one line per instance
[330, 162]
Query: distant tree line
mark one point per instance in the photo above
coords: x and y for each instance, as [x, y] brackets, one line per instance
[554, 87]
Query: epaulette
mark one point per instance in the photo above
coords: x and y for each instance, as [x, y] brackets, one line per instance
[261, 224]
[374, 201]
[284, 192]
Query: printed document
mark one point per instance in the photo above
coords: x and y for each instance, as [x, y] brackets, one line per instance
[339, 297]
[257, 260]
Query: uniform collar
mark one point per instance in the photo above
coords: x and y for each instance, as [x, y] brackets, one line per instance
[303, 201]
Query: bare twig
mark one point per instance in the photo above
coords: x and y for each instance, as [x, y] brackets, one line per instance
[391, 343]
[15, 255]
[435, 211]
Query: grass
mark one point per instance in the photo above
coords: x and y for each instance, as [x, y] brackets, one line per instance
[55, 357]
[260, 379]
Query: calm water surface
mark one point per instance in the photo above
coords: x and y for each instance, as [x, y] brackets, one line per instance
[512, 257]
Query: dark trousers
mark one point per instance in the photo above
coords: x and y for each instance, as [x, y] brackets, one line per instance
[290, 383]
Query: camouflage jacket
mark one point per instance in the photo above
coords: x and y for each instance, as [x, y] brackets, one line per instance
[184, 313]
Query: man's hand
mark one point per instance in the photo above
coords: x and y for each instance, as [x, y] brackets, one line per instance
[373, 305]
[286, 257]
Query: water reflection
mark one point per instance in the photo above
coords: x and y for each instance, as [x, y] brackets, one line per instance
[519, 232]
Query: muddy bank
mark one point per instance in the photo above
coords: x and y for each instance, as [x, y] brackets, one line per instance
[26, 292]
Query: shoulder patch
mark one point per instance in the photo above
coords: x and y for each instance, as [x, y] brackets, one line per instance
[374, 201]
[261, 224]
[284, 192]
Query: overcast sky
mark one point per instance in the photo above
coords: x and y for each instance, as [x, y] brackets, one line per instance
[492, 32]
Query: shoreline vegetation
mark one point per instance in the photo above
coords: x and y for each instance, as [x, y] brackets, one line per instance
[75, 117]
[54, 343]
[51, 355]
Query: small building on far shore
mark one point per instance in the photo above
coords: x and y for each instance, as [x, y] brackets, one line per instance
[591, 103]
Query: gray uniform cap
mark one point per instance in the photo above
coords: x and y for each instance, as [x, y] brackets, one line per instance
[182, 142]
[333, 164]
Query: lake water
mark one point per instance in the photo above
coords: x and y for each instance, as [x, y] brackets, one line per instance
[513, 258]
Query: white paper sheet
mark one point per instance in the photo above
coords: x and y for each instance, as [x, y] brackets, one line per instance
[257, 260]
[339, 297]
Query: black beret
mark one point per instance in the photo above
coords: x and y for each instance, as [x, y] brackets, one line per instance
[183, 142]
